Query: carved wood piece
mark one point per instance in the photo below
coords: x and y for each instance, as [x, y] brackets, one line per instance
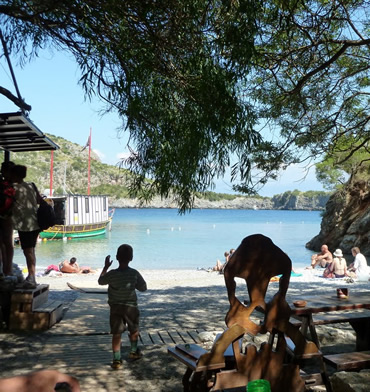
[257, 260]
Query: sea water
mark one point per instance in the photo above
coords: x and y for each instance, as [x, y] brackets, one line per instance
[163, 239]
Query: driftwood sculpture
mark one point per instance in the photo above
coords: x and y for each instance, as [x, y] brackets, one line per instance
[257, 260]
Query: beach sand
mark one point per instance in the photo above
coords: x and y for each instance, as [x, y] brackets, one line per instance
[176, 299]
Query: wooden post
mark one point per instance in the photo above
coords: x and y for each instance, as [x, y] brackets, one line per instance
[88, 169]
[51, 172]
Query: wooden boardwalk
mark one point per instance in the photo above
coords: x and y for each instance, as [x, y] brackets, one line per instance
[169, 337]
[89, 316]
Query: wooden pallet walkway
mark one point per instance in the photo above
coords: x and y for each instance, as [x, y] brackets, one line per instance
[146, 338]
[169, 337]
[89, 316]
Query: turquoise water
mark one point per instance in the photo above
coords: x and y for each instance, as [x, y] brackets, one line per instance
[162, 239]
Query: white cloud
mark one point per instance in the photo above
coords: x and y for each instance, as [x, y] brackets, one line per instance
[100, 154]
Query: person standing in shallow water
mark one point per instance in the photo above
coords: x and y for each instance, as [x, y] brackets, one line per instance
[24, 217]
[124, 312]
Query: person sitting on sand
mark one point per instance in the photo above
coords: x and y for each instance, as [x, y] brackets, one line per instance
[220, 266]
[338, 268]
[322, 259]
[359, 266]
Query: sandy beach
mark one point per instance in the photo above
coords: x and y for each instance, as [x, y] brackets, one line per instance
[176, 299]
[308, 283]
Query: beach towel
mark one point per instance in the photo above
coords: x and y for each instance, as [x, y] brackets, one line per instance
[295, 274]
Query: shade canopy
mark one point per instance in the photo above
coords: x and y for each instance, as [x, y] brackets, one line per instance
[18, 133]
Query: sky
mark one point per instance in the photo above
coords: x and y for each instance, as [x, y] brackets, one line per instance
[49, 84]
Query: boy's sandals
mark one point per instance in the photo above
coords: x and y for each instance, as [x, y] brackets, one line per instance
[134, 355]
[116, 364]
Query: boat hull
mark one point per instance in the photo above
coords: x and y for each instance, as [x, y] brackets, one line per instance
[75, 231]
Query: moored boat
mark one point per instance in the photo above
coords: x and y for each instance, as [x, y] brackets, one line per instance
[79, 216]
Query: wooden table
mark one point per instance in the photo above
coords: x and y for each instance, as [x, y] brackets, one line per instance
[331, 303]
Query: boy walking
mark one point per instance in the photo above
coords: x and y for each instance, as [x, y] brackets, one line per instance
[122, 299]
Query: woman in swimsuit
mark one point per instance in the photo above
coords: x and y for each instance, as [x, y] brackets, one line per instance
[339, 265]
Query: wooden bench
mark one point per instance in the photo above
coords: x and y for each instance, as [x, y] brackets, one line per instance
[189, 354]
[41, 318]
[290, 347]
[327, 318]
[334, 318]
[31, 310]
[201, 364]
[349, 361]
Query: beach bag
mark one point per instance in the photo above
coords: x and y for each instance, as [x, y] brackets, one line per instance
[7, 197]
[45, 213]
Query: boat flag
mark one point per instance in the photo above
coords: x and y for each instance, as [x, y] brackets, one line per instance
[87, 144]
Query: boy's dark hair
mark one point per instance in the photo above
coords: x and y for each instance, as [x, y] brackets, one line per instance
[6, 166]
[62, 387]
[19, 171]
[73, 260]
[125, 252]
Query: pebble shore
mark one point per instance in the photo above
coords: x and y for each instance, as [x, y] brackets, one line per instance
[181, 299]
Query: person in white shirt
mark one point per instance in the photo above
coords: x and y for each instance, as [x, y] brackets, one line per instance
[359, 265]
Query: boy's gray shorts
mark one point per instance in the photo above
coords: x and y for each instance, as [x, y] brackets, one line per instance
[123, 317]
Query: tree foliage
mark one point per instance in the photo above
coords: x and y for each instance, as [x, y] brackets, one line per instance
[335, 169]
[202, 85]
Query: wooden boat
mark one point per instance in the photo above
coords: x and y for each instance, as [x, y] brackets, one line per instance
[79, 216]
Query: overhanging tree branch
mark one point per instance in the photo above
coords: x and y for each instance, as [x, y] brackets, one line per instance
[19, 102]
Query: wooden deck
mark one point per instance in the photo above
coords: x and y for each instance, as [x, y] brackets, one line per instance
[169, 337]
[89, 316]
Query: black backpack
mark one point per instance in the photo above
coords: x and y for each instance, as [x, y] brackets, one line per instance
[45, 213]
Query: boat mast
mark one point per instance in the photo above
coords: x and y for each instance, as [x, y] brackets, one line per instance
[88, 168]
[51, 172]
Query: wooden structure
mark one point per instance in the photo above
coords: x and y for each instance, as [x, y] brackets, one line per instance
[31, 310]
[355, 310]
[256, 260]
[292, 333]
[201, 364]
[320, 310]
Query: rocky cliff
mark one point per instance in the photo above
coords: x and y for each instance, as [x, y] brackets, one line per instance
[286, 201]
[346, 220]
[236, 203]
[300, 201]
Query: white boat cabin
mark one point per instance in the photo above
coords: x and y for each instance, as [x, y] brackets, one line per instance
[80, 209]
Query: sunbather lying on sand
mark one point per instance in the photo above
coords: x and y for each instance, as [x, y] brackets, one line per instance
[71, 267]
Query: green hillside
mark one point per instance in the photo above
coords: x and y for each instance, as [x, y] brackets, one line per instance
[71, 170]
